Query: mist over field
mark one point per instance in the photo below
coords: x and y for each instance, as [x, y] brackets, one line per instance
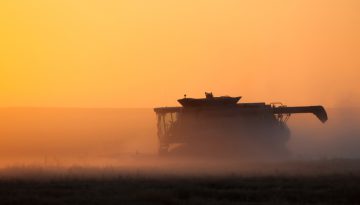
[81, 136]
[116, 137]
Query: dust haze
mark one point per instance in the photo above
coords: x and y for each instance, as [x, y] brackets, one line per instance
[110, 140]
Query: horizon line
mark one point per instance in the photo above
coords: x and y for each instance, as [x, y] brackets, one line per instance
[77, 107]
[72, 107]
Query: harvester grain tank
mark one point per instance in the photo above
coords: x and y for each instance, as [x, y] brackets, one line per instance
[222, 124]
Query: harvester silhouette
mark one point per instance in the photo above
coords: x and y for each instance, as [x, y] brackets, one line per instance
[227, 125]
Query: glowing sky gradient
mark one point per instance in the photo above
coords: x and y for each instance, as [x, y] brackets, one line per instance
[118, 53]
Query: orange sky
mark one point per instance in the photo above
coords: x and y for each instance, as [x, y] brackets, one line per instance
[117, 53]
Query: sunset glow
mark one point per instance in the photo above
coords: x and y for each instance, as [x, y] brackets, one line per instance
[148, 53]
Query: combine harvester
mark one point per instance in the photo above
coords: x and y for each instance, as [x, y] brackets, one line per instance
[218, 125]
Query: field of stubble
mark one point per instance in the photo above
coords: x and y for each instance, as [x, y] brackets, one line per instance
[319, 182]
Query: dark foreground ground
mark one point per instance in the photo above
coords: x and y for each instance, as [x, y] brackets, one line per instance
[329, 189]
[288, 182]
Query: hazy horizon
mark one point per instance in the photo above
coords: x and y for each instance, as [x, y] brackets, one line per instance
[114, 135]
